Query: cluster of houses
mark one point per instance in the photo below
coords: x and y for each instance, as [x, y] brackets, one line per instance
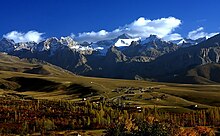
[127, 93]
[133, 90]
[138, 90]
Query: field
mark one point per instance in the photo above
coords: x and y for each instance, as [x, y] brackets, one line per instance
[147, 94]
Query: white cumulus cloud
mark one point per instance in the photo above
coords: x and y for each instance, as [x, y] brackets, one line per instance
[24, 37]
[141, 27]
[199, 33]
[172, 37]
[92, 36]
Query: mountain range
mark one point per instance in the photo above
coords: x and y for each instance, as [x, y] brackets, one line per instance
[184, 60]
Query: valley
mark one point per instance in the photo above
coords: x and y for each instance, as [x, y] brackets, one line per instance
[38, 98]
[70, 88]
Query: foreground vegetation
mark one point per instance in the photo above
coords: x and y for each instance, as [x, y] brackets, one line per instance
[48, 116]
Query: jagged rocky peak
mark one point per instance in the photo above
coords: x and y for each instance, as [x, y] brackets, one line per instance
[51, 41]
[124, 36]
[62, 42]
[68, 41]
[25, 45]
[113, 54]
[6, 45]
[6, 41]
[151, 38]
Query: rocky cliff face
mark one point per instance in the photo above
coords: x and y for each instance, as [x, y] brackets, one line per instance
[150, 48]
[184, 59]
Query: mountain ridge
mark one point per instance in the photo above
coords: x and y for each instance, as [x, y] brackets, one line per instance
[104, 59]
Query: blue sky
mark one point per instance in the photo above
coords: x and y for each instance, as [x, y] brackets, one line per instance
[47, 18]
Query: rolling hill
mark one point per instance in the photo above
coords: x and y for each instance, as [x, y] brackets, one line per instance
[60, 84]
[203, 74]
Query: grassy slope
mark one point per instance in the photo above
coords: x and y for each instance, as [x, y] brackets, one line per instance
[179, 95]
[202, 74]
[68, 86]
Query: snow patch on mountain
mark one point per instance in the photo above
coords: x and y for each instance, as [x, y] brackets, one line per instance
[125, 42]
[185, 42]
[24, 46]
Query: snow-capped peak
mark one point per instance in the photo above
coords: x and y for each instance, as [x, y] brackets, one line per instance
[25, 45]
[67, 41]
[179, 41]
[50, 42]
[125, 42]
